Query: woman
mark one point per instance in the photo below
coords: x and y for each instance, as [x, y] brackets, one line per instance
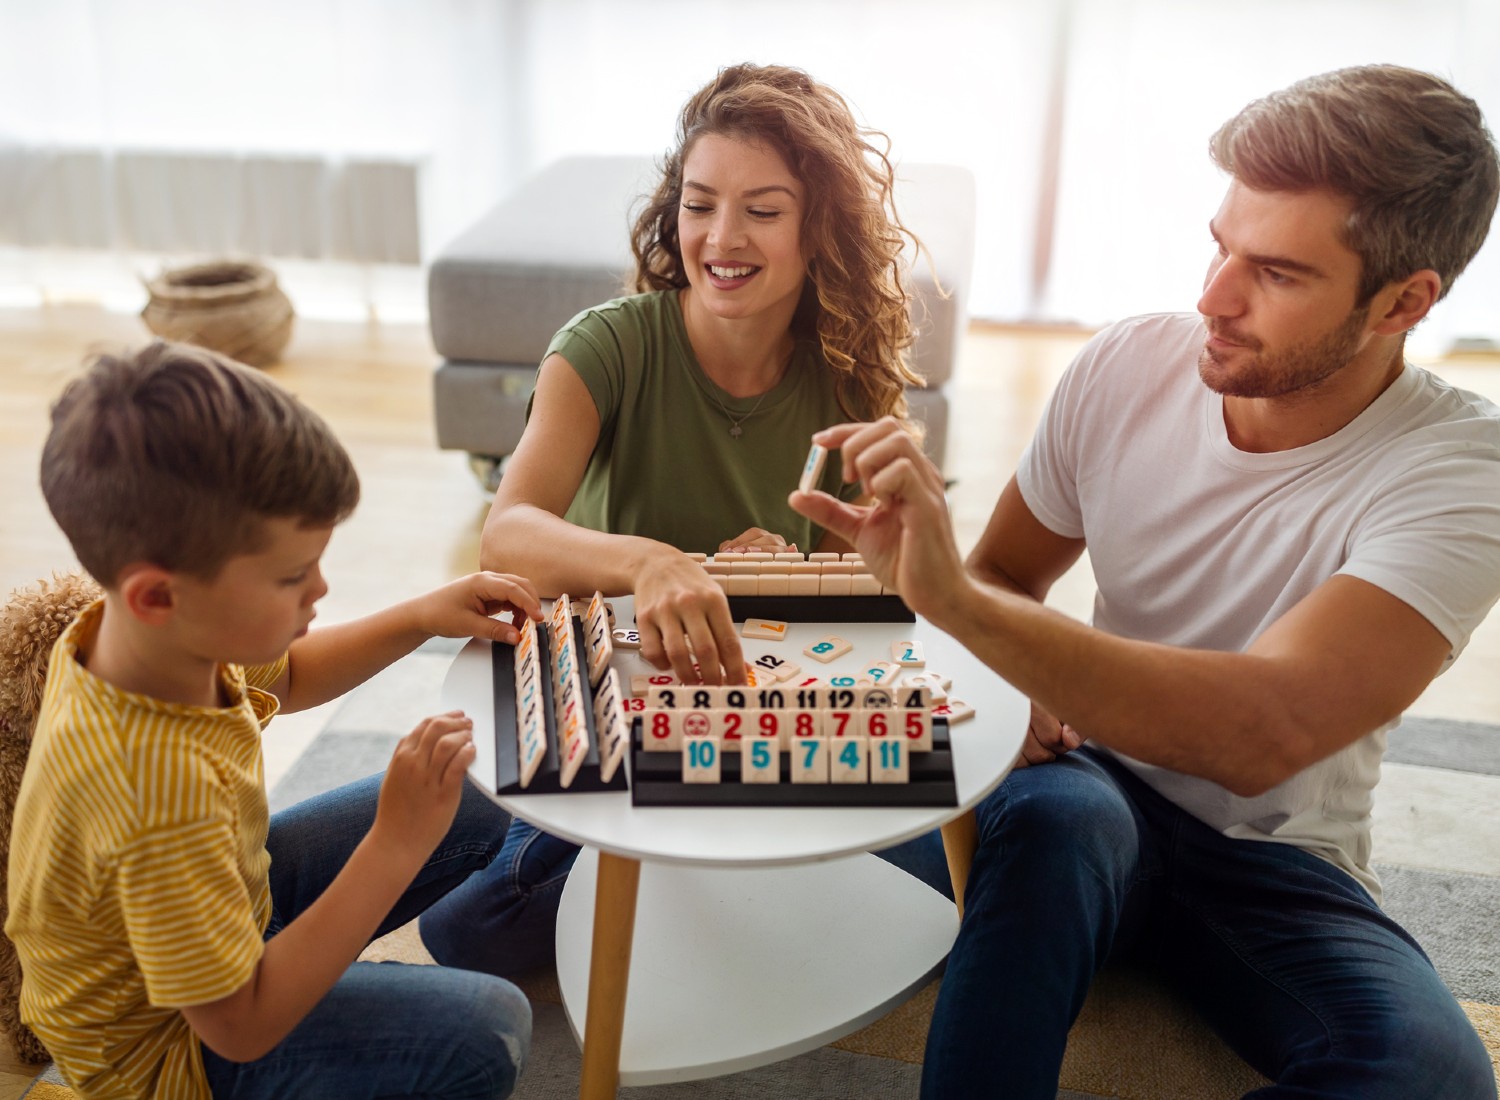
[770, 306]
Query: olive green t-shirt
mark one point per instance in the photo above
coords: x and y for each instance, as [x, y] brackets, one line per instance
[666, 466]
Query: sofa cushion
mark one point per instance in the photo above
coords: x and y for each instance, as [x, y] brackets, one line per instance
[481, 407]
[560, 244]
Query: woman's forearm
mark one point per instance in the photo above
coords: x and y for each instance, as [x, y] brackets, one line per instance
[559, 556]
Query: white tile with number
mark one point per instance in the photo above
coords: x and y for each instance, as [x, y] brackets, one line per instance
[890, 760]
[700, 760]
[908, 654]
[809, 760]
[848, 760]
[829, 648]
[760, 760]
[766, 629]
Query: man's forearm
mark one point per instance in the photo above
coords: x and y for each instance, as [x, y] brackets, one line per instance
[985, 573]
[1221, 716]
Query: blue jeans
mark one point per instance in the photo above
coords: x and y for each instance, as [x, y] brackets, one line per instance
[1284, 955]
[503, 920]
[385, 1029]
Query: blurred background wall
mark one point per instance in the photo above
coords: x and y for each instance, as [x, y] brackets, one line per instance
[345, 141]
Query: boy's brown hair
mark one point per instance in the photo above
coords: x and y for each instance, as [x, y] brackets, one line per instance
[176, 456]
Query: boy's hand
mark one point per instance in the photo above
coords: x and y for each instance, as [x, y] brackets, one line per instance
[465, 608]
[423, 784]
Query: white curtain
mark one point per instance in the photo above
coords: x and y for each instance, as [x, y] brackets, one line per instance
[1084, 121]
[313, 132]
[1150, 80]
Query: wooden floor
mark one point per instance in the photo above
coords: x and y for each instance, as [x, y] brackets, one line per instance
[419, 516]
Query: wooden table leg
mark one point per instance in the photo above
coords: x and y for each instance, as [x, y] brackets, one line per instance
[960, 839]
[609, 972]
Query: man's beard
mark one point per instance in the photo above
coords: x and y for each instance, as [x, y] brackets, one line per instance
[1288, 371]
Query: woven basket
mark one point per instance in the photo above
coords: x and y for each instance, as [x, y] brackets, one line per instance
[232, 307]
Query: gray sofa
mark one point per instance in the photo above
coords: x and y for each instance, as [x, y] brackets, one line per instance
[560, 243]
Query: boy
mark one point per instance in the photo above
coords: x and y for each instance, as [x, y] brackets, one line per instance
[175, 942]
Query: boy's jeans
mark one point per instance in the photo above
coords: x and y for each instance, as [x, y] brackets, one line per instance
[385, 1029]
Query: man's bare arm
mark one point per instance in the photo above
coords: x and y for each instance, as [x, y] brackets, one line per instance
[1344, 661]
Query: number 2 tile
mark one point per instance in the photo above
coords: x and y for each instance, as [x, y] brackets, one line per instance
[908, 654]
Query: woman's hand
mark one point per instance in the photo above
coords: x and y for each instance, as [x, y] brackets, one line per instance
[683, 619]
[758, 539]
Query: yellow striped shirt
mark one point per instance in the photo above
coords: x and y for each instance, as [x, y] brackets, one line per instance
[138, 871]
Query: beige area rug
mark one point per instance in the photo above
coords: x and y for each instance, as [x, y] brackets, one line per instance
[1108, 1053]
[901, 1034]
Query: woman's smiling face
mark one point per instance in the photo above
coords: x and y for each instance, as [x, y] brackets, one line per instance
[740, 227]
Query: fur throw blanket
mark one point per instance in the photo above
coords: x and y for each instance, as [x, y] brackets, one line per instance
[31, 621]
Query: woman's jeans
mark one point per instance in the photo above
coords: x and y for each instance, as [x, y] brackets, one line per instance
[503, 920]
[1284, 955]
[385, 1029]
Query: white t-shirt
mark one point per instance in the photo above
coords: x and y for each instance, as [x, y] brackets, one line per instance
[1196, 543]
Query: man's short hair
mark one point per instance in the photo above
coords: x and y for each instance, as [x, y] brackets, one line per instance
[176, 456]
[1409, 149]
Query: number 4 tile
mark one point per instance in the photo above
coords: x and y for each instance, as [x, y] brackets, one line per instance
[848, 761]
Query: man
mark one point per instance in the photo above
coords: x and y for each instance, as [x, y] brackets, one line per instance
[1293, 531]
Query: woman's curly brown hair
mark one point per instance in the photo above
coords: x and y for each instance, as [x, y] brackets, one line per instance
[854, 298]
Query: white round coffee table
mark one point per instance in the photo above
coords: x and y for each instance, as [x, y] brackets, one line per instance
[766, 931]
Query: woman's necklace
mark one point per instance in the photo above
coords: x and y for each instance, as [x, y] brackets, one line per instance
[735, 430]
